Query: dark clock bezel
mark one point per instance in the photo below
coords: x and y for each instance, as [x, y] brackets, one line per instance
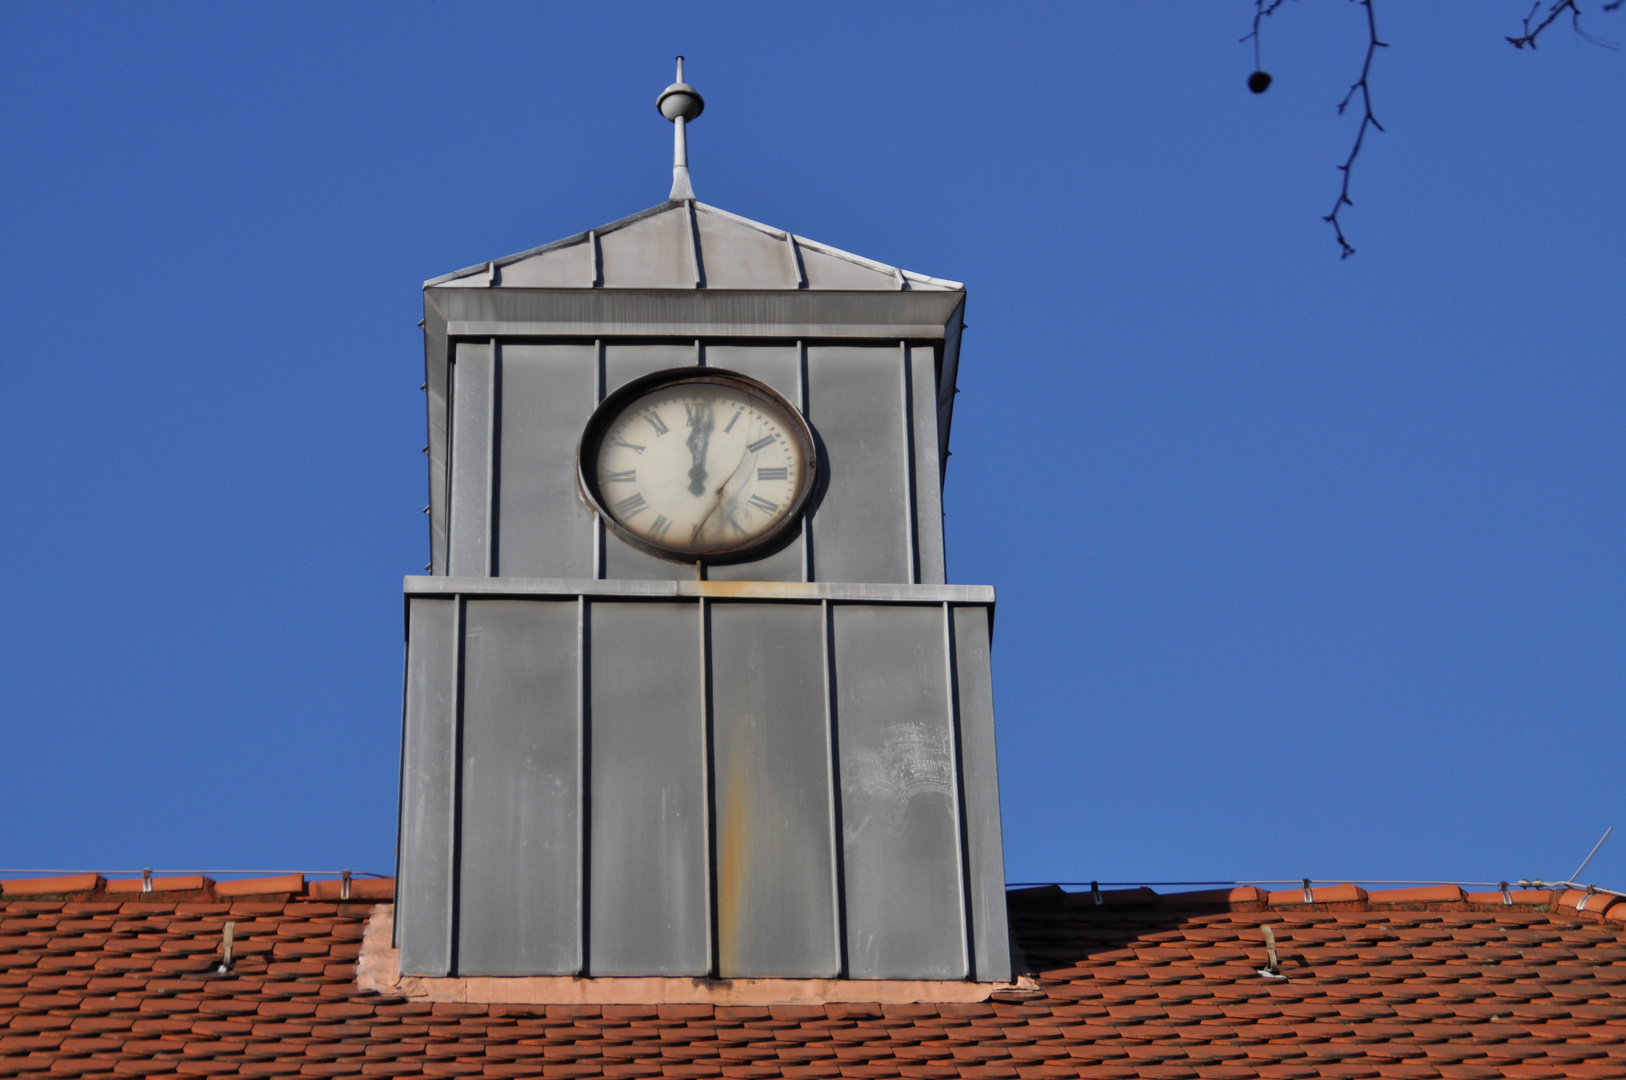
[790, 417]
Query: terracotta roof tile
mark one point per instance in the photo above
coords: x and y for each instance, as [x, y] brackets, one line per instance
[1398, 983]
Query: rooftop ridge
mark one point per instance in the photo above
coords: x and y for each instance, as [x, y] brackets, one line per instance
[672, 205]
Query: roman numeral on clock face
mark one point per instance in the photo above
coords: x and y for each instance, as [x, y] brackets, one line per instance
[628, 445]
[759, 444]
[631, 505]
[657, 531]
[733, 420]
[629, 476]
[781, 473]
[763, 504]
[654, 419]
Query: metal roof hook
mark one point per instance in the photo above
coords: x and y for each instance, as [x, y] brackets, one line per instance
[146, 880]
[344, 885]
[1273, 967]
[1095, 893]
[1507, 897]
[1309, 893]
[225, 947]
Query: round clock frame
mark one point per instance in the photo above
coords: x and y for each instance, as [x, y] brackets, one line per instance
[617, 404]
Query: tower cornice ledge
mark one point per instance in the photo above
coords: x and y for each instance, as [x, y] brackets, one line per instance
[825, 314]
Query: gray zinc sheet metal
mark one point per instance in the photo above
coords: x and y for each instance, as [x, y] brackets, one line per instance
[428, 789]
[419, 585]
[568, 267]
[435, 374]
[776, 904]
[686, 311]
[654, 253]
[826, 271]
[472, 404]
[928, 484]
[947, 380]
[519, 870]
[737, 256]
[544, 529]
[649, 877]
[780, 366]
[899, 800]
[861, 520]
[979, 777]
[622, 364]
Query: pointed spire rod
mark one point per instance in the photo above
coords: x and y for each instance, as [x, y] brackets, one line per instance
[680, 103]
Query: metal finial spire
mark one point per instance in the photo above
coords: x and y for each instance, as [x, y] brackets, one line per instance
[680, 103]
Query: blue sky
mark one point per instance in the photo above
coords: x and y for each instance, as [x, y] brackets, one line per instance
[1306, 566]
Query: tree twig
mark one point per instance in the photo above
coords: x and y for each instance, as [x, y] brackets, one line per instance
[1363, 87]
[1555, 8]
[1262, 9]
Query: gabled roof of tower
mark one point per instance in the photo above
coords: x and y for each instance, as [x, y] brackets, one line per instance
[689, 245]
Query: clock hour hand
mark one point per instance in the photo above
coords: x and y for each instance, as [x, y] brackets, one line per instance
[741, 471]
[700, 425]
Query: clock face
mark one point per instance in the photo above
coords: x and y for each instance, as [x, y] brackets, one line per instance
[697, 463]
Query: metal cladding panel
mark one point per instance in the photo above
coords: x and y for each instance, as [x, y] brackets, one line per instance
[826, 271]
[736, 256]
[861, 524]
[428, 789]
[928, 471]
[776, 903]
[649, 877]
[904, 883]
[571, 266]
[622, 364]
[979, 779]
[654, 253]
[472, 409]
[519, 867]
[547, 392]
[780, 366]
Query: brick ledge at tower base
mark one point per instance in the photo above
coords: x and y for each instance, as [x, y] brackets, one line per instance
[379, 969]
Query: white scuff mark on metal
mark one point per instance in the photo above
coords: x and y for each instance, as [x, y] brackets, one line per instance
[910, 761]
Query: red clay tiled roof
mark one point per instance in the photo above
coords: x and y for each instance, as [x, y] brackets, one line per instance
[101, 982]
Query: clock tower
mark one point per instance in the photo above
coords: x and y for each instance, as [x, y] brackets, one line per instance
[687, 691]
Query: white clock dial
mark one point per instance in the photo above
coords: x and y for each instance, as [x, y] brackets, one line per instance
[701, 465]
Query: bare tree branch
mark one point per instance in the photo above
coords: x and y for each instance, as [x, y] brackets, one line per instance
[1555, 8]
[1363, 87]
[1543, 13]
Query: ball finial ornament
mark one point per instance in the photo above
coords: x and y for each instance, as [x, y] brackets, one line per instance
[680, 100]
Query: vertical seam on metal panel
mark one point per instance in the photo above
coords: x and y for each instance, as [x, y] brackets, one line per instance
[598, 522]
[798, 275]
[709, 819]
[451, 448]
[694, 244]
[596, 258]
[962, 848]
[838, 853]
[801, 404]
[911, 536]
[492, 415]
[583, 778]
[454, 845]
[699, 354]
